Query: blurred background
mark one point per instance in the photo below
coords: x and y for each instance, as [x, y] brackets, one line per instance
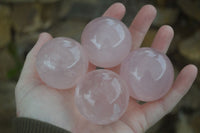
[21, 21]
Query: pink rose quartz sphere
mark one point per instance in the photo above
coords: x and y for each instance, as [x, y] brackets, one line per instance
[107, 41]
[61, 62]
[102, 97]
[148, 73]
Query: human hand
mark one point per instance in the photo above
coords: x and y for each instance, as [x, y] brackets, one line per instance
[35, 100]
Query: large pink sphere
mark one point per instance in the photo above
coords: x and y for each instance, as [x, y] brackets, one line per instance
[107, 41]
[61, 62]
[149, 74]
[102, 97]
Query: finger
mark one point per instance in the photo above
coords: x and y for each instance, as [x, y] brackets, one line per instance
[141, 24]
[133, 117]
[117, 10]
[156, 110]
[163, 38]
[139, 28]
[29, 65]
[43, 38]
[27, 77]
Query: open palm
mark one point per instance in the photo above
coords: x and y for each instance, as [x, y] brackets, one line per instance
[35, 100]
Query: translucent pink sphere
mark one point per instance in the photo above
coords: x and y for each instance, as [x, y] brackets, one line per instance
[107, 41]
[61, 62]
[102, 97]
[148, 73]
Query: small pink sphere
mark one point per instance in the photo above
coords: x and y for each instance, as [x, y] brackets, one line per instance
[148, 73]
[107, 41]
[61, 62]
[102, 97]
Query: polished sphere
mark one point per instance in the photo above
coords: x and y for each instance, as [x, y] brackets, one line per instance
[148, 73]
[61, 62]
[102, 97]
[107, 41]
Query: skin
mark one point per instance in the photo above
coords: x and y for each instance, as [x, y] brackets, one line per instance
[35, 100]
